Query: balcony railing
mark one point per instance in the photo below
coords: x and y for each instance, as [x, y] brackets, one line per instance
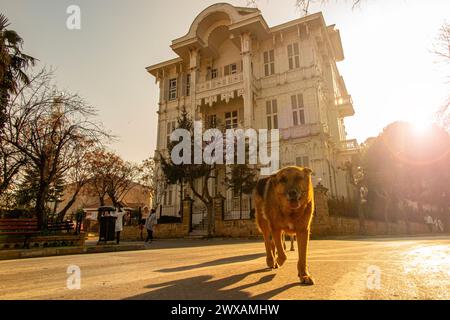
[345, 106]
[349, 145]
[220, 82]
[303, 131]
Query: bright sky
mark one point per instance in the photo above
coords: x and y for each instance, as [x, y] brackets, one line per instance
[389, 69]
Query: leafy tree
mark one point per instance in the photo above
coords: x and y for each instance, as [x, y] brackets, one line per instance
[241, 180]
[147, 175]
[13, 66]
[190, 173]
[403, 165]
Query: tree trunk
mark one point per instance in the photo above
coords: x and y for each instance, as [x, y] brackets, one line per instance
[102, 201]
[210, 213]
[40, 205]
[240, 205]
[385, 213]
[181, 198]
[63, 212]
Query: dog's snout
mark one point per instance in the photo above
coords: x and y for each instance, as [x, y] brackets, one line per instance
[293, 194]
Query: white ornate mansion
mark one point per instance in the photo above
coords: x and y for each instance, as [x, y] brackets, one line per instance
[233, 69]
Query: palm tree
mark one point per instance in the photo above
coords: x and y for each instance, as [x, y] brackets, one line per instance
[13, 63]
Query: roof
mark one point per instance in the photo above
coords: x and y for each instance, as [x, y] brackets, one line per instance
[237, 19]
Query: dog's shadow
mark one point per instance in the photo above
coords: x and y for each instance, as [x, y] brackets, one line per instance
[217, 262]
[204, 288]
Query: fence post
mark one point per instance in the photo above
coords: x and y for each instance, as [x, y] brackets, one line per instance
[321, 215]
[186, 214]
[218, 211]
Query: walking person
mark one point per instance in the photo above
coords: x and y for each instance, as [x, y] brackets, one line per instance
[430, 222]
[149, 224]
[119, 213]
[142, 220]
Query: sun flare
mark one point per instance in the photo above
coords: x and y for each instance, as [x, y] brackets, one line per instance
[421, 122]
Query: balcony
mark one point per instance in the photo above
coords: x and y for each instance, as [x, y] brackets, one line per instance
[221, 82]
[220, 89]
[349, 146]
[299, 74]
[303, 131]
[345, 106]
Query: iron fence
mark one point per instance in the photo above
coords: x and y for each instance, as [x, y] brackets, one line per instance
[238, 209]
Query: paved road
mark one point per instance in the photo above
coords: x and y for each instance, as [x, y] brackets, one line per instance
[409, 268]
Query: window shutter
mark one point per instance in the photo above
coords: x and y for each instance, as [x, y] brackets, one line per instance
[166, 89]
[294, 102]
[226, 70]
[306, 161]
[296, 51]
[300, 100]
[183, 84]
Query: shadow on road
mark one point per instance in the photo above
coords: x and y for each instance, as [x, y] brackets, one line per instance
[388, 238]
[204, 288]
[215, 262]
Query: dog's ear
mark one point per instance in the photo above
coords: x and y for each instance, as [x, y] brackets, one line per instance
[308, 171]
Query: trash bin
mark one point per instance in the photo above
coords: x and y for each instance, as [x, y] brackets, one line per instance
[107, 225]
[107, 229]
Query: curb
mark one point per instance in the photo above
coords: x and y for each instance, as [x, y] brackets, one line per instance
[49, 252]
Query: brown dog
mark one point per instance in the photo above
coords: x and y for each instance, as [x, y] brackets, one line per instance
[285, 204]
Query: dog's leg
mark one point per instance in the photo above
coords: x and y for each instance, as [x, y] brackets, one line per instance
[284, 241]
[292, 242]
[268, 242]
[281, 254]
[302, 241]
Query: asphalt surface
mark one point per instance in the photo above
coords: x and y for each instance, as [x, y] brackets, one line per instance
[365, 268]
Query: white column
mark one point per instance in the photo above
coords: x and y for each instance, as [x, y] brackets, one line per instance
[246, 52]
[194, 65]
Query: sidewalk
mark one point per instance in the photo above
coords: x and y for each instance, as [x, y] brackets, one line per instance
[89, 247]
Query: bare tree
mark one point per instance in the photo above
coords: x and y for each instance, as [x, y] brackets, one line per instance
[111, 176]
[442, 51]
[49, 128]
[12, 161]
[304, 5]
[147, 175]
[77, 176]
[442, 46]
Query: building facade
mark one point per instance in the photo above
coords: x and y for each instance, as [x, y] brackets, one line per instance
[233, 69]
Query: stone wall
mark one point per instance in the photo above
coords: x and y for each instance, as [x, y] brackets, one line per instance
[132, 233]
[162, 231]
[236, 228]
[323, 224]
[169, 230]
[339, 226]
